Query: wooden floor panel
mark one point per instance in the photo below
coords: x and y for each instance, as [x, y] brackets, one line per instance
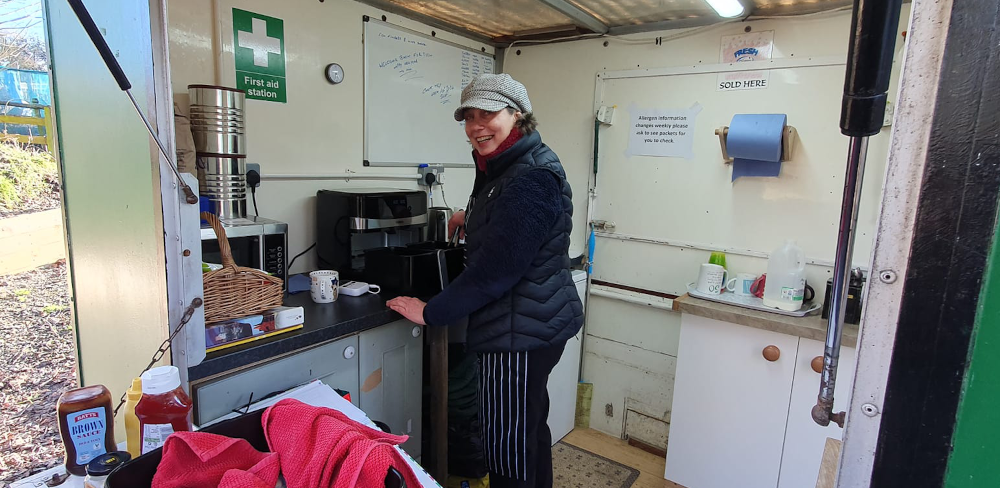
[650, 466]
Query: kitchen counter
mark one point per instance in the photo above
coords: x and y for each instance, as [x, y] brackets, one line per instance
[323, 322]
[809, 327]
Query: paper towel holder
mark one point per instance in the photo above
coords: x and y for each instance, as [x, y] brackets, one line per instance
[787, 143]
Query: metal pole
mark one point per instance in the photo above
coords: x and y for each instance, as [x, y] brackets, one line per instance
[869, 62]
[116, 71]
[163, 151]
[823, 411]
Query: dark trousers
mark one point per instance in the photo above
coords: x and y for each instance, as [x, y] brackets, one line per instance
[513, 414]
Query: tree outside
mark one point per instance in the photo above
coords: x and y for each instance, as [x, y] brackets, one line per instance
[22, 35]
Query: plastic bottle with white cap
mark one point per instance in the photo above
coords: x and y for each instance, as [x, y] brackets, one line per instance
[164, 407]
[786, 278]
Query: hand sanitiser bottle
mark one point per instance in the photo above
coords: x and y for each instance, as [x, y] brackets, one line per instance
[786, 278]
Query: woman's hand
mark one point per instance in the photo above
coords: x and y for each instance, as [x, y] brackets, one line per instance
[410, 308]
[457, 222]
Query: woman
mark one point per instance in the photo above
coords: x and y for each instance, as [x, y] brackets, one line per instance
[516, 288]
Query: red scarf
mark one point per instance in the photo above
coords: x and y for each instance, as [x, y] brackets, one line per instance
[514, 136]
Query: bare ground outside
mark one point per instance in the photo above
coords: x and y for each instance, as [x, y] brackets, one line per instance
[37, 348]
[38, 355]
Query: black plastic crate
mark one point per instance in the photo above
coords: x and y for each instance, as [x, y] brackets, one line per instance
[138, 473]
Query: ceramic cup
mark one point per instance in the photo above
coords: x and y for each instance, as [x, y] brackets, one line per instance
[741, 284]
[324, 286]
[711, 279]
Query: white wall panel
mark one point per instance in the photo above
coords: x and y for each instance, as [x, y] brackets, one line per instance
[694, 200]
[669, 269]
[319, 129]
[616, 321]
[624, 374]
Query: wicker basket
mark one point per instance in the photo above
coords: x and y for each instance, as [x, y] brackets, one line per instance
[235, 291]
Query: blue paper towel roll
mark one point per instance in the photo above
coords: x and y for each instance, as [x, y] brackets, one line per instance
[754, 142]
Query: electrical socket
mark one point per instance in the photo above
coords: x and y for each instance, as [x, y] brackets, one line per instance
[254, 167]
[426, 169]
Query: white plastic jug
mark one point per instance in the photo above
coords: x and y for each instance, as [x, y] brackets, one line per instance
[786, 278]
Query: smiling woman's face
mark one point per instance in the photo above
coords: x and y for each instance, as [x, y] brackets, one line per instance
[487, 130]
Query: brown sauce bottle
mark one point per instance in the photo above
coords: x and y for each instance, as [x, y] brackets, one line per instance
[86, 424]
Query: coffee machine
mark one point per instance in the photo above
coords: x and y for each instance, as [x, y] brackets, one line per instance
[349, 223]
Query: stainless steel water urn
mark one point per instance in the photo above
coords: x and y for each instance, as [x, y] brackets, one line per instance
[218, 128]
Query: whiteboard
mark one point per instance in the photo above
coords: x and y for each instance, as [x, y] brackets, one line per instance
[413, 84]
[693, 204]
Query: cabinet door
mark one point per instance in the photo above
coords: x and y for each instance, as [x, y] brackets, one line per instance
[391, 374]
[334, 363]
[730, 405]
[804, 439]
[562, 389]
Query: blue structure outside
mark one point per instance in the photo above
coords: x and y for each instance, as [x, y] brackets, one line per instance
[24, 86]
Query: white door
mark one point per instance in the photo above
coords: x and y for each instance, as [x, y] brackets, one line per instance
[730, 406]
[805, 439]
[565, 376]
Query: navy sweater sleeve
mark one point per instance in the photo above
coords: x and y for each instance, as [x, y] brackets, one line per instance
[522, 217]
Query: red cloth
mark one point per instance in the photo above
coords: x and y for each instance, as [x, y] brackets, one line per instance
[507, 143]
[199, 460]
[322, 447]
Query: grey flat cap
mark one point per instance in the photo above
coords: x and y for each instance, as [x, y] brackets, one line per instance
[492, 93]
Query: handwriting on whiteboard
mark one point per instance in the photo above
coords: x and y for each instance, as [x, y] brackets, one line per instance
[406, 64]
[405, 39]
[440, 91]
[474, 65]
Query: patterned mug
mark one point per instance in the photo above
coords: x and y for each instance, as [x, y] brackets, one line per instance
[324, 286]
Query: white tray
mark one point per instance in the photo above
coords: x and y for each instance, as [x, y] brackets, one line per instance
[752, 302]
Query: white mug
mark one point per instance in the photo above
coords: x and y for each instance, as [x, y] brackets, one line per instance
[711, 279]
[324, 286]
[741, 284]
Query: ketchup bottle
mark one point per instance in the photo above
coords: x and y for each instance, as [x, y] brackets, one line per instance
[164, 407]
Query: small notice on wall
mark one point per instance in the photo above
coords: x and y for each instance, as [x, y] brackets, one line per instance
[259, 53]
[665, 133]
[752, 46]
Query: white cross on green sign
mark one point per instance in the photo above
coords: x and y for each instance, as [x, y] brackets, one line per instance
[259, 50]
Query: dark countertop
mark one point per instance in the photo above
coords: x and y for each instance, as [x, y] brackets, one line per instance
[809, 327]
[323, 322]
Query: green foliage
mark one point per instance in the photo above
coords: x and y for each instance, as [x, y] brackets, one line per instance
[48, 309]
[24, 174]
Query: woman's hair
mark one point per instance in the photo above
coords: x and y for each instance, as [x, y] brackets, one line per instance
[526, 123]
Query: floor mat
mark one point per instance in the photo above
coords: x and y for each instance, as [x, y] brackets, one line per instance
[573, 467]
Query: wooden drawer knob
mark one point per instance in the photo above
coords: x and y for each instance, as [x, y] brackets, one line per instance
[817, 364]
[772, 353]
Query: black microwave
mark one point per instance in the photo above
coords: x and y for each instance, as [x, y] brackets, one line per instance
[256, 242]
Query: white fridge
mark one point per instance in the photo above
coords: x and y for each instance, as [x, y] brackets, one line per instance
[565, 376]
